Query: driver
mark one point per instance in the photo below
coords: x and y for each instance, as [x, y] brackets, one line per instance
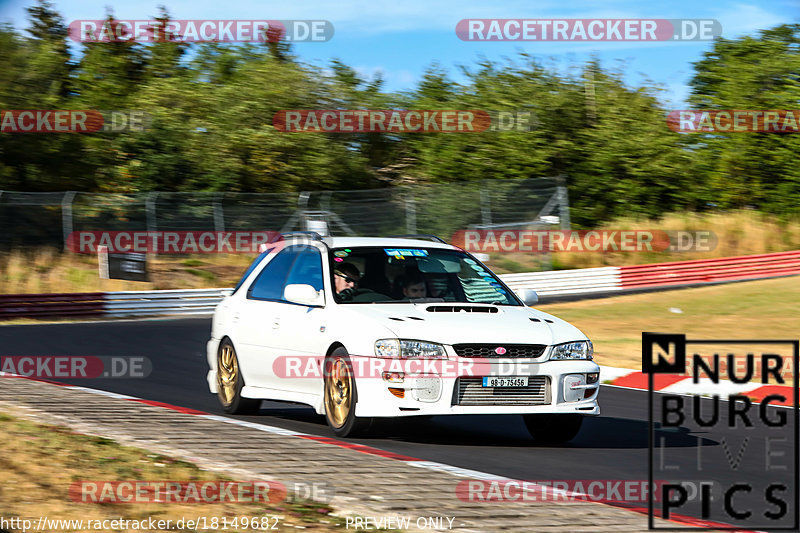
[345, 276]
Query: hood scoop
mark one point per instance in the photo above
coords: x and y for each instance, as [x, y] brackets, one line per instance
[461, 309]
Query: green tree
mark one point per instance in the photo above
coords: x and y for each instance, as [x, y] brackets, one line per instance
[754, 73]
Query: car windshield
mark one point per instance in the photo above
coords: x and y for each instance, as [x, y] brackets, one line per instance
[396, 275]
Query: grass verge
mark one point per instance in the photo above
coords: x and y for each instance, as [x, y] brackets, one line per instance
[39, 463]
[749, 310]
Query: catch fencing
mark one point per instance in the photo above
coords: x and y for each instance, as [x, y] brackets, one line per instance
[30, 219]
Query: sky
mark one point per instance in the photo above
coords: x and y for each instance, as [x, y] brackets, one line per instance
[401, 38]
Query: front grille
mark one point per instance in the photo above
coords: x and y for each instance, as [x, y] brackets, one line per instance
[470, 391]
[490, 350]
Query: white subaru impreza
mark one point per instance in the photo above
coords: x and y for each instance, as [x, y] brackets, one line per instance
[367, 327]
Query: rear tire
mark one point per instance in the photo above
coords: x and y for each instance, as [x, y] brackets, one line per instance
[341, 396]
[553, 429]
[230, 382]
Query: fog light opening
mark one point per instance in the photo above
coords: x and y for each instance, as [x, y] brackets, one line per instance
[574, 387]
[393, 377]
[593, 377]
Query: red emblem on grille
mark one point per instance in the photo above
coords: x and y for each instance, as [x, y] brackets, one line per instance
[499, 350]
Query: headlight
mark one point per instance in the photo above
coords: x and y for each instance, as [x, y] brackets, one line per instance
[572, 350]
[405, 349]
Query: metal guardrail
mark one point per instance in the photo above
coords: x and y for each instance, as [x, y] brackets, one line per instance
[710, 270]
[609, 280]
[167, 302]
[578, 283]
[566, 282]
[51, 305]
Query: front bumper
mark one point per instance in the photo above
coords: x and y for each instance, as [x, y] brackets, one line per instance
[427, 393]
[211, 356]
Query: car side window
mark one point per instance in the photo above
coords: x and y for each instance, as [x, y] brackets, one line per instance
[270, 282]
[307, 268]
[249, 271]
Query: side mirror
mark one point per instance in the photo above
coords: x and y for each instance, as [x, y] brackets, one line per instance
[300, 293]
[528, 296]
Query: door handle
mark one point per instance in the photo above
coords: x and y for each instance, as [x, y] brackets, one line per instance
[276, 323]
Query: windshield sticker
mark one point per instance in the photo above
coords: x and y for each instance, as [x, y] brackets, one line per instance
[338, 259]
[340, 253]
[403, 252]
[469, 261]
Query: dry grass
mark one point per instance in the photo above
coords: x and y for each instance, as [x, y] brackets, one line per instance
[39, 463]
[49, 270]
[750, 310]
[738, 233]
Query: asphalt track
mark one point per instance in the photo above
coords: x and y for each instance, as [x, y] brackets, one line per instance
[613, 446]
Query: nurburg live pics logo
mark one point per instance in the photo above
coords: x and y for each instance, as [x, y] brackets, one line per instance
[745, 471]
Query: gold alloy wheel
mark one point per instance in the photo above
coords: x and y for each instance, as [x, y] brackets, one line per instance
[227, 374]
[338, 392]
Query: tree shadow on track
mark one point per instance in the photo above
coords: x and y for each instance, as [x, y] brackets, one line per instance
[492, 430]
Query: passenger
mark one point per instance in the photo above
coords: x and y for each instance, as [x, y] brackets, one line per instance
[414, 285]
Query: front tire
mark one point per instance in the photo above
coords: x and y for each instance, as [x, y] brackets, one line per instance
[553, 429]
[230, 382]
[341, 396]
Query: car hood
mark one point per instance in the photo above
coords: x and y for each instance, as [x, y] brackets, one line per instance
[510, 324]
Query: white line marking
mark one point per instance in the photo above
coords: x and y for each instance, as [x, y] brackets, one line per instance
[254, 425]
[457, 471]
[102, 393]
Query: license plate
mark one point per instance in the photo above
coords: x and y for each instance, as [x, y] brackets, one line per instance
[492, 381]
